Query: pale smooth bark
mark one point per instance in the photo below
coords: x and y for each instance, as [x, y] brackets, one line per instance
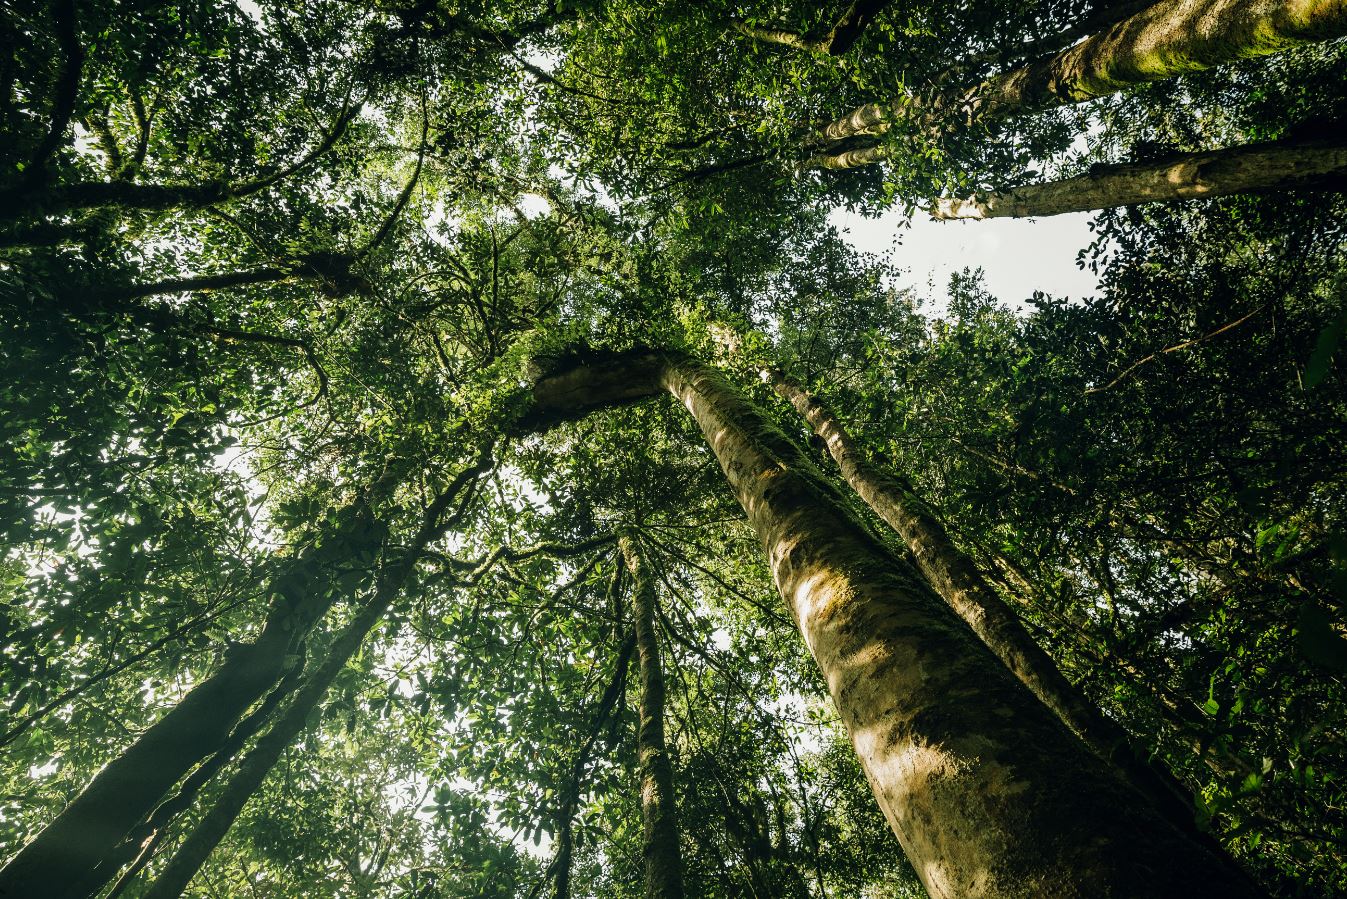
[989, 794]
[1187, 176]
[956, 578]
[1171, 38]
[659, 812]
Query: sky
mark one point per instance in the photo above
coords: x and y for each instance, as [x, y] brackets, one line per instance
[1018, 256]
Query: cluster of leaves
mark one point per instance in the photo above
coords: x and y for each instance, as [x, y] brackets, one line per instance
[1152, 476]
[294, 263]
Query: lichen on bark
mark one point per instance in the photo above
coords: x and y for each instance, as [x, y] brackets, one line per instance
[986, 790]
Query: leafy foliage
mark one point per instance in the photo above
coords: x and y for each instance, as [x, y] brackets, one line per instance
[274, 277]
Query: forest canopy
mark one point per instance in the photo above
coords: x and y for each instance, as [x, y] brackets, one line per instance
[448, 449]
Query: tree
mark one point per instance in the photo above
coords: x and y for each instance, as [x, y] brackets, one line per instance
[885, 651]
[990, 120]
[956, 578]
[275, 277]
[663, 864]
[1185, 177]
[127, 789]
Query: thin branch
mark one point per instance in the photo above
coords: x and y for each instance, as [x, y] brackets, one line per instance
[293, 342]
[406, 194]
[545, 77]
[1173, 349]
[770, 612]
[840, 38]
[334, 134]
[152, 197]
[97, 122]
[504, 554]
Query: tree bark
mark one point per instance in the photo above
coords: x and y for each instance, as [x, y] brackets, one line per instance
[140, 845]
[1171, 38]
[1189, 176]
[64, 854]
[986, 790]
[1102, 16]
[565, 837]
[255, 766]
[66, 89]
[839, 39]
[659, 812]
[956, 578]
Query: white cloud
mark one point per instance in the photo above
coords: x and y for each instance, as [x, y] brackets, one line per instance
[1018, 256]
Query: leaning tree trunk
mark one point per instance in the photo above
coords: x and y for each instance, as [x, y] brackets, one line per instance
[64, 855]
[955, 576]
[255, 766]
[143, 841]
[659, 813]
[986, 790]
[1171, 38]
[1187, 176]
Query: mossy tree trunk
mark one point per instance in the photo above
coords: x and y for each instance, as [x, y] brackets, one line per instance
[659, 812]
[989, 794]
[1170, 38]
[956, 578]
[1185, 176]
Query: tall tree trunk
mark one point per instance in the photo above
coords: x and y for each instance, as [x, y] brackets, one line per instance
[986, 790]
[140, 845]
[143, 841]
[1102, 15]
[565, 838]
[66, 89]
[255, 766]
[62, 857]
[956, 578]
[1173, 37]
[1187, 176]
[659, 814]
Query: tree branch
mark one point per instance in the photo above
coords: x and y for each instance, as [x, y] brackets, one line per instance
[1173, 349]
[302, 345]
[67, 89]
[839, 39]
